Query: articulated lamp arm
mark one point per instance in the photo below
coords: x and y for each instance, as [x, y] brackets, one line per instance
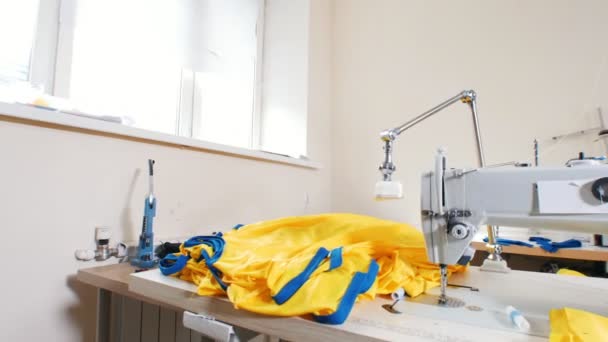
[467, 96]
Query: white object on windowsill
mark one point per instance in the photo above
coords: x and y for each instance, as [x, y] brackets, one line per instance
[28, 94]
[125, 120]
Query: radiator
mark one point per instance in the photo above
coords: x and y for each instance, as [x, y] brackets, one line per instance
[131, 320]
[125, 319]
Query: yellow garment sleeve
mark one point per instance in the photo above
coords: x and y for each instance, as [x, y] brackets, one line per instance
[573, 325]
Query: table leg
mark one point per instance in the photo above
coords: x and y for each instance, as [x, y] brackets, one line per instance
[104, 302]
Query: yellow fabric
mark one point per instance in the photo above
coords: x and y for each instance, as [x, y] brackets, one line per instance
[259, 259]
[572, 325]
[565, 271]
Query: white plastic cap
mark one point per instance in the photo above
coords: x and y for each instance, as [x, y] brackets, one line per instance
[388, 190]
[103, 233]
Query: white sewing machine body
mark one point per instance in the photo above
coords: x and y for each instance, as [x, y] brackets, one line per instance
[455, 204]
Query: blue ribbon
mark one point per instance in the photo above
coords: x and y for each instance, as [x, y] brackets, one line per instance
[360, 283]
[553, 247]
[171, 264]
[508, 242]
[335, 258]
[298, 281]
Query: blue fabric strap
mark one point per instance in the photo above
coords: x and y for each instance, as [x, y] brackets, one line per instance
[508, 242]
[542, 242]
[287, 291]
[539, 239]
[360, 283]
[553, 247]
[294, 284]
[214, 271]
[335, 258]
[172, 264]
[216, 242]
[572, 243]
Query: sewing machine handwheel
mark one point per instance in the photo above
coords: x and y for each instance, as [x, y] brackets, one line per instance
[600, 189]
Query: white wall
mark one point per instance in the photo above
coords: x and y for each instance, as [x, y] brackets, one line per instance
[539, 68]
[57, 185]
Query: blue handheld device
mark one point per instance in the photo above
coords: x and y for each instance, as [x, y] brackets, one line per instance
[145, 249]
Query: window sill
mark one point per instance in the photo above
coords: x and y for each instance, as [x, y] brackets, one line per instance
[49, 118]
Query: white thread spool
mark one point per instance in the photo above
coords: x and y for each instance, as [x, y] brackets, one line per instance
[398, 295]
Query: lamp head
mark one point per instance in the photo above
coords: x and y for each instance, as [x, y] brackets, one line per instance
[386, 190]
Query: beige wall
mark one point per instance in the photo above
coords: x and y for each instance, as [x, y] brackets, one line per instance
[539, 68]
[58, 185]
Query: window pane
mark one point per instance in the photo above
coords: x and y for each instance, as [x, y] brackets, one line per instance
[225, 81]
[125, 60]
[17, 28]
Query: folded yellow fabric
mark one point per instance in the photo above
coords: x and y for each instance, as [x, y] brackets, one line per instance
[565, 271]
[317, 264]
[573, 325]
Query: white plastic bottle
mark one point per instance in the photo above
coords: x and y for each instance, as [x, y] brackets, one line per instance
[517, 318]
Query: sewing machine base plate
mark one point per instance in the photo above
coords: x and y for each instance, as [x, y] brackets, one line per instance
[431, 299]
[475, 308]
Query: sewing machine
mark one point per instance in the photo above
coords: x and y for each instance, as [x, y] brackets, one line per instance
[455, 202]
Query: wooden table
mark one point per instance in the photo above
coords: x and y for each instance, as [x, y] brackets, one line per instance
[586, 252]
[533, 293]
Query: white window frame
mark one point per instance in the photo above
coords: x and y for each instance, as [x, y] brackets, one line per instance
[44, 48]
[256, 129]
[66, 21]
[55, 70]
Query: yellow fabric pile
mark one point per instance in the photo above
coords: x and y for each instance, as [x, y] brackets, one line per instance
[313, 264]
[565, 271]
[573, 325]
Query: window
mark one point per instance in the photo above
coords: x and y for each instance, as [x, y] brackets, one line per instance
[224, 100]
[185, 67]
[181, 67]
[127, 65]
[17, 28]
